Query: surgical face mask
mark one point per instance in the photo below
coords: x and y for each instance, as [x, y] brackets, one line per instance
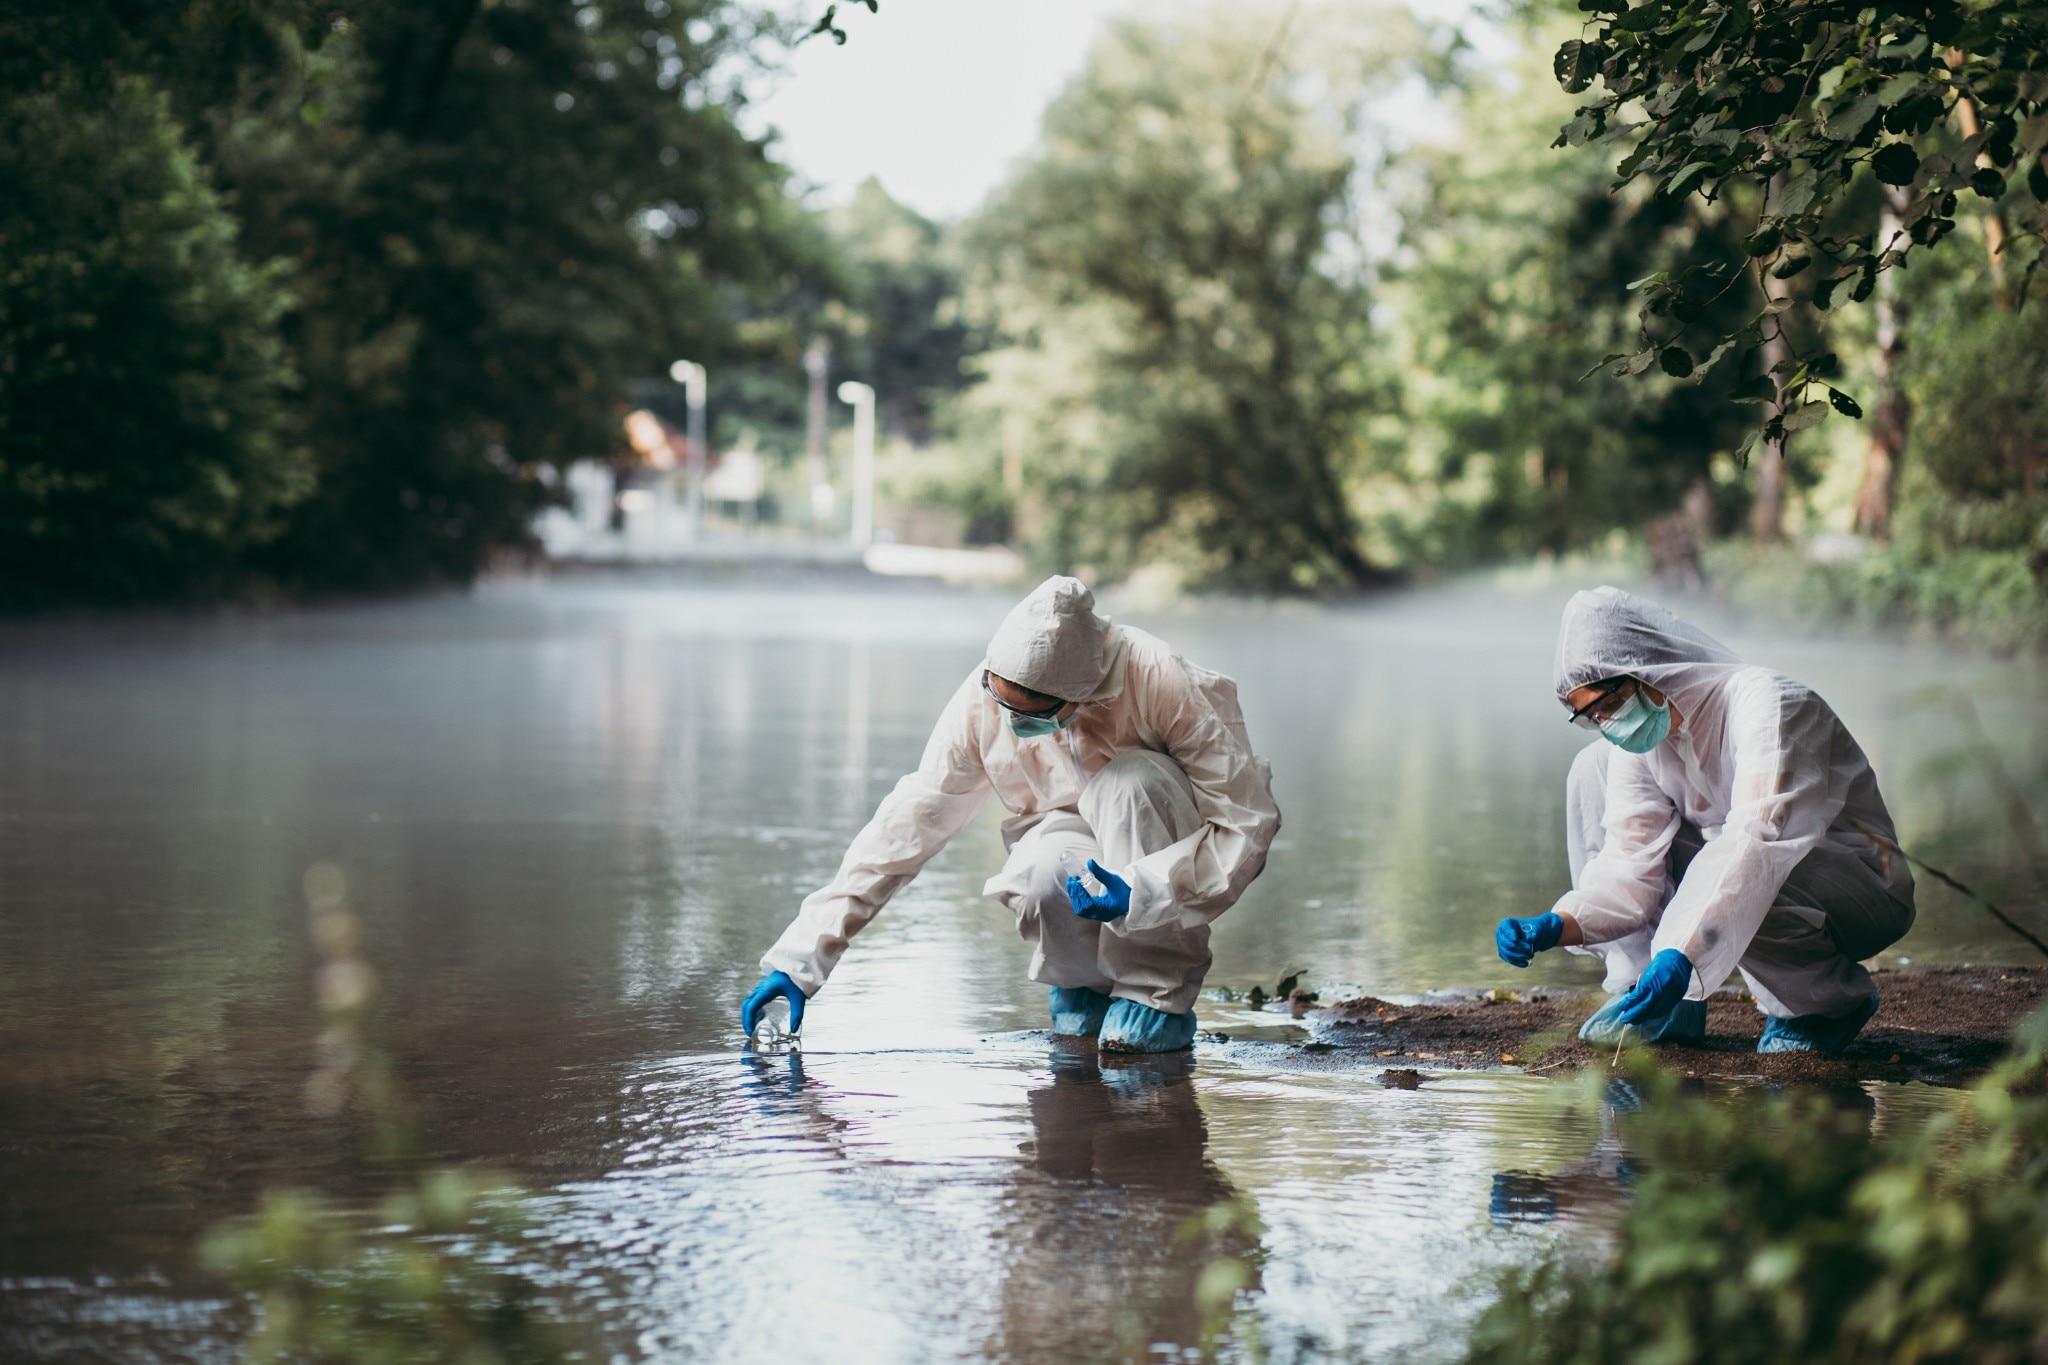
[1031, 727]
[1638, 726]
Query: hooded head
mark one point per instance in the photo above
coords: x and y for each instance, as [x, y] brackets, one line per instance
[1608, 633]
[1054, 641]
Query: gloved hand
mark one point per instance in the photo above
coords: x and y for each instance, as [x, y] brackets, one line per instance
[1519, 940]
[1658, 990]
[772, 985]
[1113, 903]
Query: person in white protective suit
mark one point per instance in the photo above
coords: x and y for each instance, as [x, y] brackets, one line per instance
[1111, 752]
[1726, 820]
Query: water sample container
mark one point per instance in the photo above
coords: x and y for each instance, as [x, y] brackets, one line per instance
[1074, 865]
[772, 1032]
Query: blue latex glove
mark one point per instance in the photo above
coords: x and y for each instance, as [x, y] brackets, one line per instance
[1113, 903]
[1658, 990]
[1519, 940]
[772, 985]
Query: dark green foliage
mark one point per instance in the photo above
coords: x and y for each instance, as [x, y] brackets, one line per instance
[1978, 379]
[1781, 1230]
[500, 217]
[491, 219]
[144, 444]
[1799, 97]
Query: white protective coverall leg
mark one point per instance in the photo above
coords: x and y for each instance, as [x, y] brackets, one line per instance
[1140, 803]
[1753, 838]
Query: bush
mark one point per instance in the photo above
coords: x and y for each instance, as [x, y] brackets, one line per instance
[1780, 1229]
[143, 441]
[419, 1288]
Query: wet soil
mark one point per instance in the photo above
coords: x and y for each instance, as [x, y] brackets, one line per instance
[1940, 1025]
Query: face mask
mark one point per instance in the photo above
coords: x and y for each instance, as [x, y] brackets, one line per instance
[1031, 727]
[1637, 727]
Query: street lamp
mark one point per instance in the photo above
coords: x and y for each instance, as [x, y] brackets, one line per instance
[863, 400]
[694, 379]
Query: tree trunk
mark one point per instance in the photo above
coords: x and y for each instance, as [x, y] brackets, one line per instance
[1891, 413]
[1767, 513]
[1994, 222]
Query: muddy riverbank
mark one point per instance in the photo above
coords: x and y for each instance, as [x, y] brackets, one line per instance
[1939, 1025]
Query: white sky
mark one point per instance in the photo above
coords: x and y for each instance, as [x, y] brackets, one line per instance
[937, 97]
[933, 97]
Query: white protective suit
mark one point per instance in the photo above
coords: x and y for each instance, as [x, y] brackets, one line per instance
[1154, 776]
[1753, 837]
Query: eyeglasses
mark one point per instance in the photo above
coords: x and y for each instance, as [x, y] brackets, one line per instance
[1602, 707]
[1053, 710]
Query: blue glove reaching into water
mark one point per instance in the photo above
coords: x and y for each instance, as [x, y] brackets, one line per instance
[1519, 940]
[1114, 902]
[772, 985]
[1657, 991]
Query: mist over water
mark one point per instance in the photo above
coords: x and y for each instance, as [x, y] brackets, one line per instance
[572, 815]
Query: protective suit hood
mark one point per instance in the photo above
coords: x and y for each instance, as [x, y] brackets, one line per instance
[1607, 633]
[1055, 642]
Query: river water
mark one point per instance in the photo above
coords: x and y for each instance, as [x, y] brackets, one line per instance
[572, 814]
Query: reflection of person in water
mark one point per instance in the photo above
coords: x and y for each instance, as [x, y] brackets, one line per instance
[1595, 1187]
[1101, 1262]
[1598, 1187]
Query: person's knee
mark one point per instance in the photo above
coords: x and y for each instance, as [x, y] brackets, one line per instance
[1138, 779]
[1144, 770]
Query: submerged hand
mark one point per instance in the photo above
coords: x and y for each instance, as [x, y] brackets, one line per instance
[1519, 940]
[772, 985]
[1113, 903]
[1658, 990]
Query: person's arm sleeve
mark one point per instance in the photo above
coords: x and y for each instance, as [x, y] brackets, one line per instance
[915, 820]
[1620, 889]
[1192, 881]
[1781, 803]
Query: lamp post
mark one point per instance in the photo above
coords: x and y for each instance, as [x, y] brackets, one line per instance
[863, 400]
[817, 365]
[694, 379]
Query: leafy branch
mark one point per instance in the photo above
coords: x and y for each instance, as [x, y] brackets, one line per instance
[828, 22]
[1797, 98]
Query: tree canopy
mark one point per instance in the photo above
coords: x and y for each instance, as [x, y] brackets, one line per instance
[1798, 100]
[487, 221]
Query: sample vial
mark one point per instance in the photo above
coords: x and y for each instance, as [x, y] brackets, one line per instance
[772, 1032]
[1074, 865]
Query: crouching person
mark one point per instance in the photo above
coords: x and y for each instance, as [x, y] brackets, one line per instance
[1726, 820]
[1112, 754]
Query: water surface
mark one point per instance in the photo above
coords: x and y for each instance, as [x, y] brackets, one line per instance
[571, 816]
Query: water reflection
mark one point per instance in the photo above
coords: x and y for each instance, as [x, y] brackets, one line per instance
[1593, 1190]
[1100, 1252]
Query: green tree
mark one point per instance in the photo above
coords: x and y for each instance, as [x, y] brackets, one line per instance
[499, 217]
[144, 435]
[1185, 300]
[492, 219]
[1515, 284]
[1802, 100]
[910, 337]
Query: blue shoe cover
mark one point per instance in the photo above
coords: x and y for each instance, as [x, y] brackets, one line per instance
[1816, 1032]
[1132, 1027]
[1077, 1011]
[1687, 1023]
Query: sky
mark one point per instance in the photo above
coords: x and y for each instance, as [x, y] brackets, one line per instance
[936, 98]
